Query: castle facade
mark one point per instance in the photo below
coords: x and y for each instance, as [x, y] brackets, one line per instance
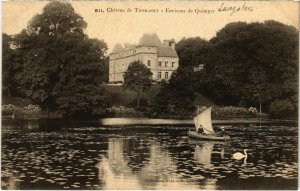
[160, 57]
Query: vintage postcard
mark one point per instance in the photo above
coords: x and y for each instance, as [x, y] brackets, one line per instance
[149, 95]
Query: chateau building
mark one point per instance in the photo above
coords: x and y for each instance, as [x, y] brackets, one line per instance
[160, 57]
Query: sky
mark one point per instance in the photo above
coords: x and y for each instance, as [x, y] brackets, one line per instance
[121, 27]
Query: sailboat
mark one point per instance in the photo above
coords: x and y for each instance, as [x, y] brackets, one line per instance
[203, 121]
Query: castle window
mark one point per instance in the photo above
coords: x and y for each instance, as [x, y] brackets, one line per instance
[159, 63]
[166, 64]
[159, 75]
[173, 64]
[166, 75]
[149, 62]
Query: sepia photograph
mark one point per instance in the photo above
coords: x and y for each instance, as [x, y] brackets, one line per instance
[149, 95]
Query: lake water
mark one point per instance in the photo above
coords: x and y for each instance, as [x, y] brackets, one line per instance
[91, 155]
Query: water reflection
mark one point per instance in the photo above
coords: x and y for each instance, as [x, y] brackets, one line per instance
[10, 181]
[20, 124]
[204, 150]
[59, 156]
[136, 151]
[156, 172]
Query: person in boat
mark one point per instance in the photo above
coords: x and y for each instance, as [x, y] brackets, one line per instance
[222, 133]
[200, 130]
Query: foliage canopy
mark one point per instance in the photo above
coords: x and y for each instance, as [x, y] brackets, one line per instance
[137, 78]
[245, 64]
[59, 67]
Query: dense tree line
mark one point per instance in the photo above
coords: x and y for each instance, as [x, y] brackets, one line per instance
[245, 64]
[55, 64]
[177, 95]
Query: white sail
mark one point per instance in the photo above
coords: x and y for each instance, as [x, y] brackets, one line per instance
[203, 120]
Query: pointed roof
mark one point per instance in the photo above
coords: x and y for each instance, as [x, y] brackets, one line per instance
[153, 40]
[150, 40]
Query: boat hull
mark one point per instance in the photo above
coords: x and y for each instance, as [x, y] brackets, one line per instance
[195, 135]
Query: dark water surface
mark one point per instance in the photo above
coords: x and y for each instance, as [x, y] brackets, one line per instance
[65, 155]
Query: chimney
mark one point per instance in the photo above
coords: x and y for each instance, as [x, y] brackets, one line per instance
[166, 43]
[173, 45]
[169, 43]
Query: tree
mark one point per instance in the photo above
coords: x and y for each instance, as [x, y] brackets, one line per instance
[61, 67]
[137, 78]
[192, 52]
[57, 20]
[177, 95]
[79, 90]
[253, 64]
[7, 65]
[282, 108]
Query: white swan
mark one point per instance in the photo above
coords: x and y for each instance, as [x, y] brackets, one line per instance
[239, 156]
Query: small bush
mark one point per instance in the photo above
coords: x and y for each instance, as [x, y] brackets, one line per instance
[282, 108]
[25, 112]
[252, 110]
[122, 111]
[8, 109]
[32, 109]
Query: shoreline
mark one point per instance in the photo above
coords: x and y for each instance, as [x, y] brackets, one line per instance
[143, 121]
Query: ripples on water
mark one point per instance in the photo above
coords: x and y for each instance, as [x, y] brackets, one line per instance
[146, 157]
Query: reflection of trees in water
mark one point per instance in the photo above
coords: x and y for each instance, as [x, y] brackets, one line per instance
[128, 154]
[20, 124]
[136, 152]
[204, 152]
[199, 155]
[115, 171]
[8, 181]
[161, 166]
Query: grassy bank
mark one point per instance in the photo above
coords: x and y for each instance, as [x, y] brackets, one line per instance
[123, 105]
[127, 98]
